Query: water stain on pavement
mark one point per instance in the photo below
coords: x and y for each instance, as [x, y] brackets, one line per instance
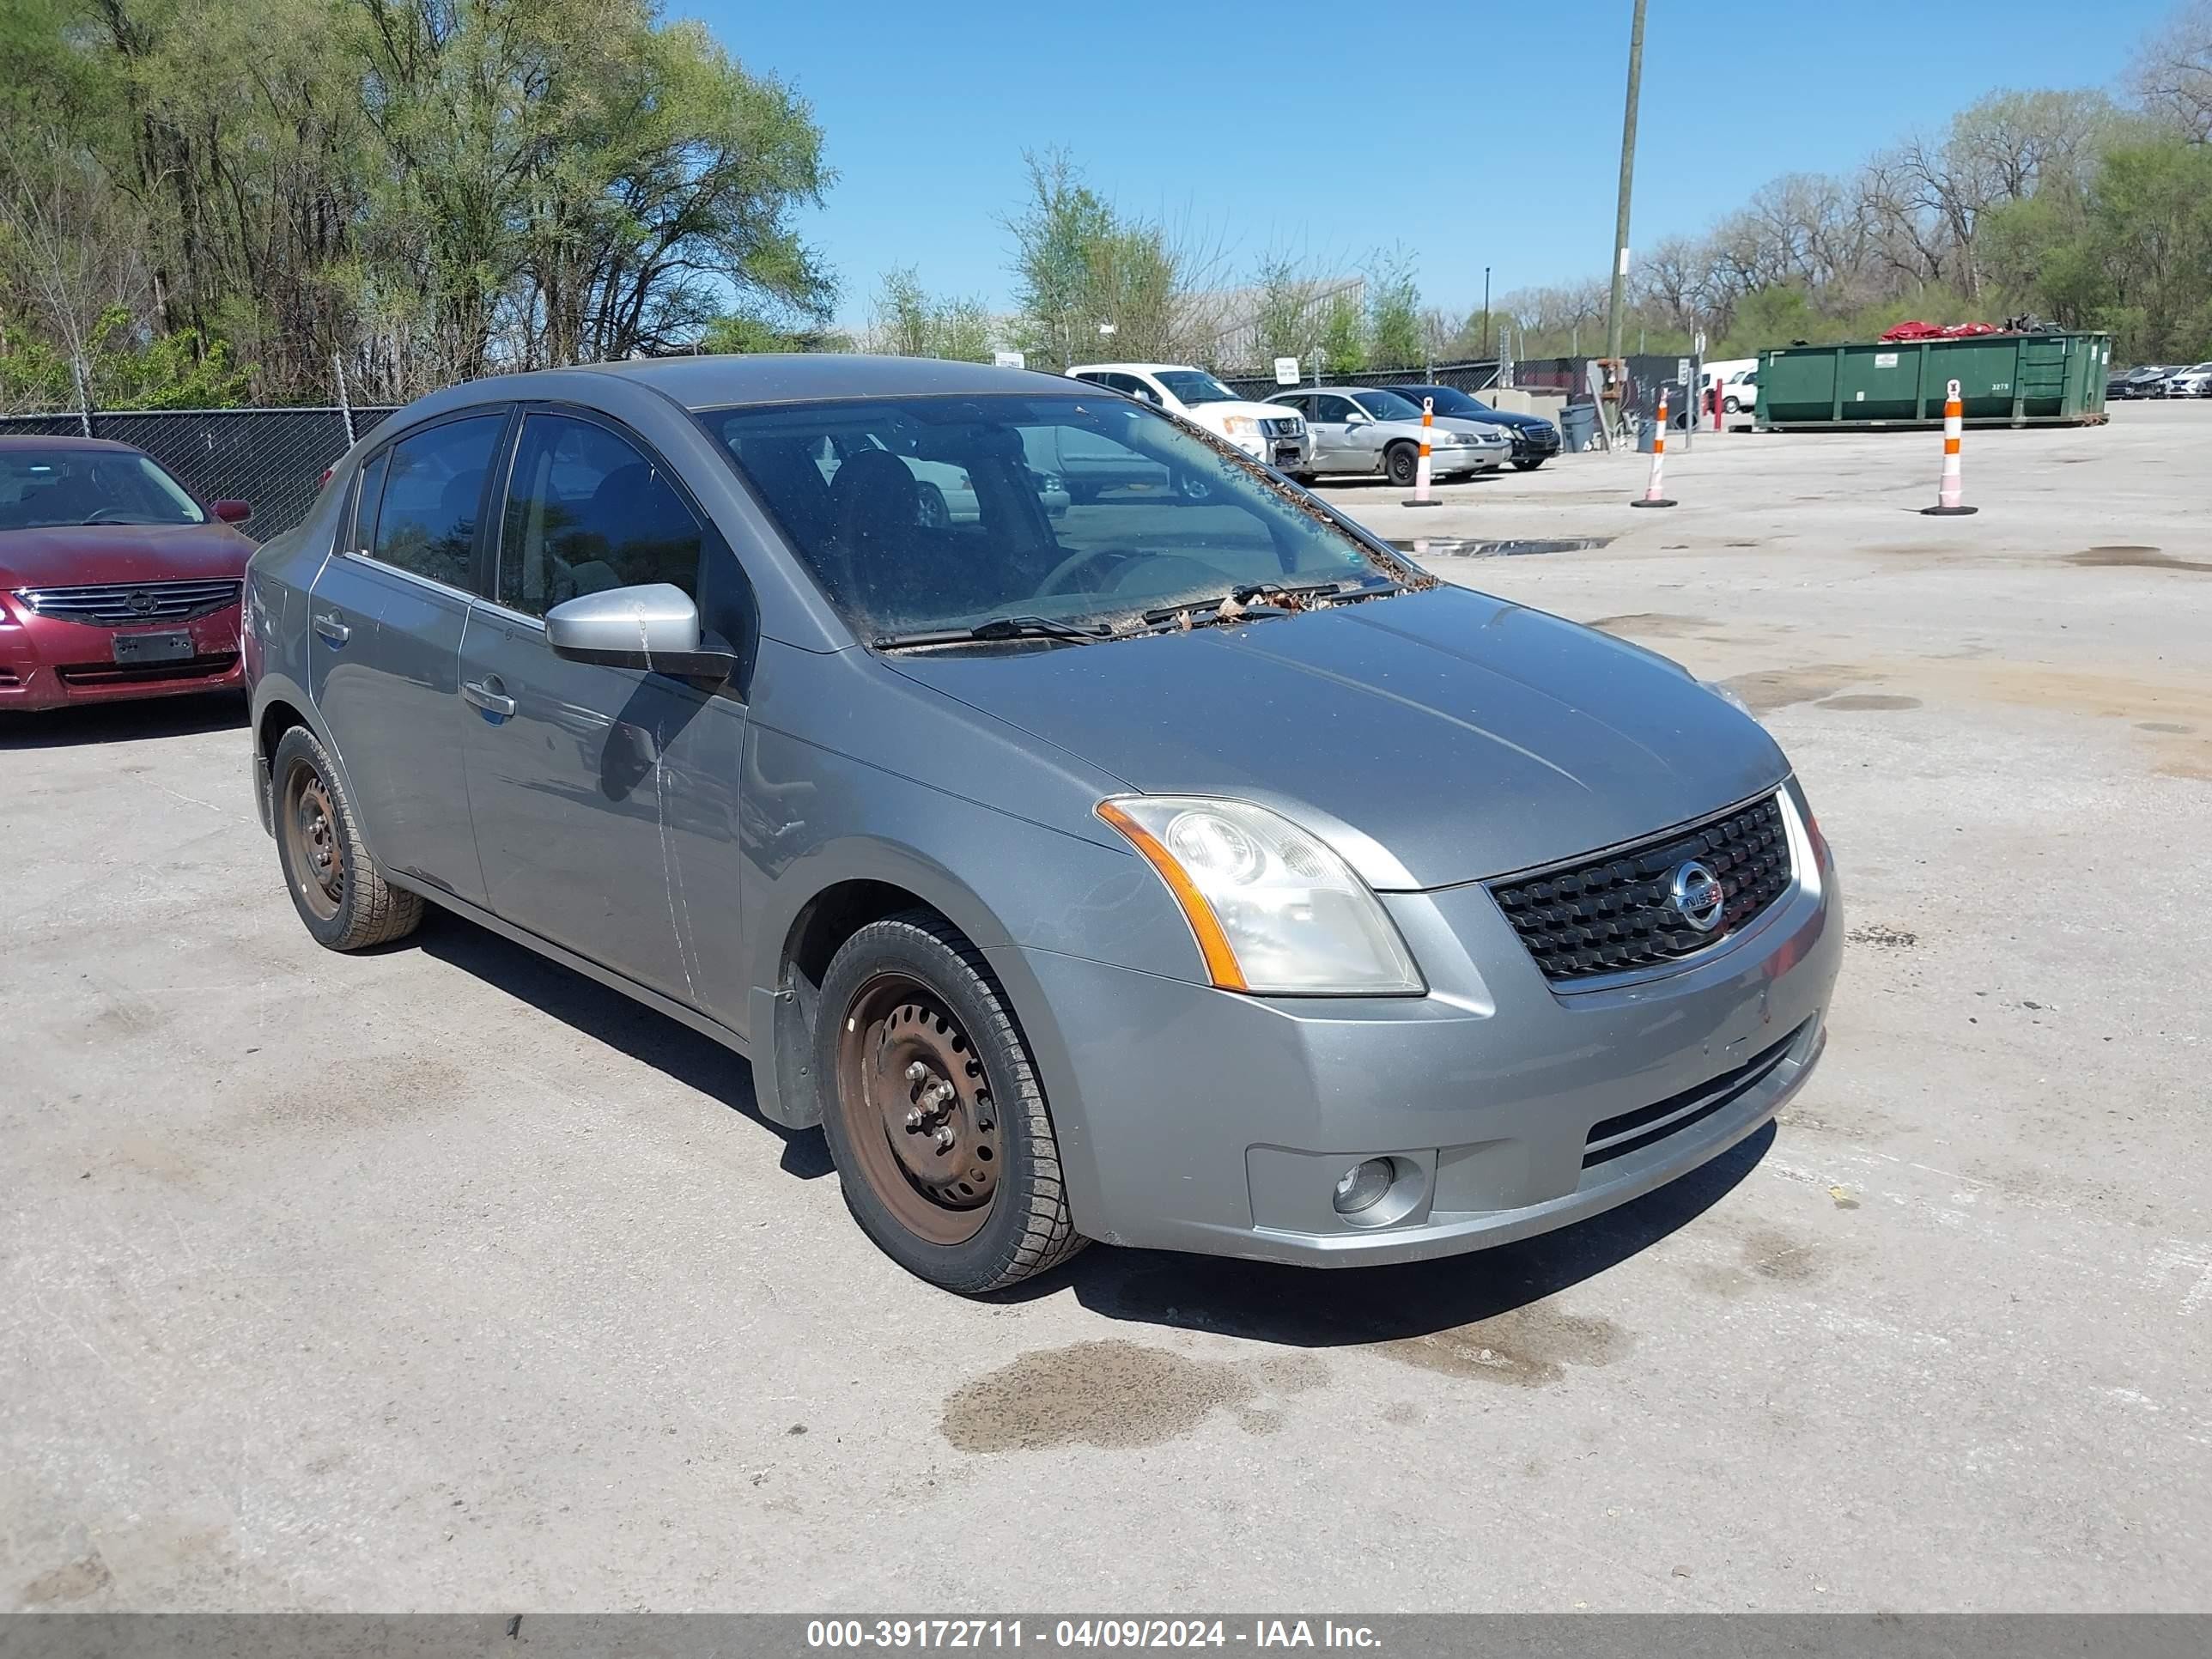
[1117, 1394]
[1653, 624]
[1769, 689]
[1868, 700]
[73, 1582]
[2135, 558]
[1528, 1347]
[1769, 1256]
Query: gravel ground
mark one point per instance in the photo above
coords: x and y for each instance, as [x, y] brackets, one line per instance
[440, 1279]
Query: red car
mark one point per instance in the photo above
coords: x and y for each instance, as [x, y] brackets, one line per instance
[114, 582]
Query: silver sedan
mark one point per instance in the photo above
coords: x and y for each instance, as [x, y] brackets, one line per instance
[1366, 429]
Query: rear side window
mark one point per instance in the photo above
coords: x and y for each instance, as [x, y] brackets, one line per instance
[433, 484]
[586, 510]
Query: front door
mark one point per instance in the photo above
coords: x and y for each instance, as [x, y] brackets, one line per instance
[605, 798]
[1331, 434]
[385, 617]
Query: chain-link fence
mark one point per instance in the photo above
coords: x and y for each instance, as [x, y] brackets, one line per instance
[1475, 376]
[271, 458]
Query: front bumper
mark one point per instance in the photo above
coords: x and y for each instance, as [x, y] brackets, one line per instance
[1198, 1120]
[1536, 445]
[1468, 458]
[1284, 454]
[49, 663]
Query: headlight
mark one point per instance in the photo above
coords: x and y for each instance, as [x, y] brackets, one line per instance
[1727, 695]
[1274, 910]
[1240, 426]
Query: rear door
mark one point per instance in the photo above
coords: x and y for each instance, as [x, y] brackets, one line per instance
[605, 799]
[385, 615]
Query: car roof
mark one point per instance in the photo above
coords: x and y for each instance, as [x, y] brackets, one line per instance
[722, 382]
[1131, 368]
[14, 440]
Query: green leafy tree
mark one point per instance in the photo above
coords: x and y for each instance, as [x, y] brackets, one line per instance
[1395, 335]
[1343, 335]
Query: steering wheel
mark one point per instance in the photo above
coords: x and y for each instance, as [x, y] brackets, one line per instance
[1059, 579]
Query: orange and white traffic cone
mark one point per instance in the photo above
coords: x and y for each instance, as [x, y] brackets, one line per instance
[1948, 491]
[1651, 495]
[1421, 495]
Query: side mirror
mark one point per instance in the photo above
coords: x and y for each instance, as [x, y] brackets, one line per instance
[1359, 417]
[653, 627]
[232, 511]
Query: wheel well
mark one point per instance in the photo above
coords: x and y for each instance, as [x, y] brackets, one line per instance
[828, 919]
[275, 720]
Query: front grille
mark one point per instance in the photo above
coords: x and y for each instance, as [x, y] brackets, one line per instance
[213, 665]
[1614, 911]
[112, 605]
[1287, 427]
[1617, 1136]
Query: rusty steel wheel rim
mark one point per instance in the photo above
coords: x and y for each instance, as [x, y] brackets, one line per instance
[311, 836]
[918, 1109]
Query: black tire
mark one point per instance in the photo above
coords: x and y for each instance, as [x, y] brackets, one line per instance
[1082, 495]
[1304, 480]
[1401, 463]
[1729, 405]
[1027, 1229]
[1528, 466]
[345, 904]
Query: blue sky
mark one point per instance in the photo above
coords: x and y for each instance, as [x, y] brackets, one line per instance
[1496, 143]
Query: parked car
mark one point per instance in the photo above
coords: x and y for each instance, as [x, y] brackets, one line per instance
[1195, 873]
[115, 583]
[2136, 382]
[1366, 429]
[947, 495]
[1265, 434]
[1534, 439]
[1740, 393]
[2195, 382]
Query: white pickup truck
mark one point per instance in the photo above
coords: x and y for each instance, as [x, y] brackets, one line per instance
[1270, 434]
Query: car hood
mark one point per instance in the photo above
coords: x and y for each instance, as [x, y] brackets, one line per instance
[1484, 429]
[1432, 738]
[1507, 418]
[68, 554]
[1212, 415]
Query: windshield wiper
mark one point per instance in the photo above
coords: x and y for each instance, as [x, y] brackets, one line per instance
[1263, 598]
[997, 628]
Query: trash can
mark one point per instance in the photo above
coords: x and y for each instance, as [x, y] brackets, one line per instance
[1578, 426]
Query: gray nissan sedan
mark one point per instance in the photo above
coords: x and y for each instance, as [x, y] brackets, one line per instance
[1181, 868]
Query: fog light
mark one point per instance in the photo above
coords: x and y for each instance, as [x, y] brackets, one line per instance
[1362, 1186]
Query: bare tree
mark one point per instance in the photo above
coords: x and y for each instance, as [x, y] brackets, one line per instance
[2173, 72]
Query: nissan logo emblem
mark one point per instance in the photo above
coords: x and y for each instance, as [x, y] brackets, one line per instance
[142, 602]
[1698, 895]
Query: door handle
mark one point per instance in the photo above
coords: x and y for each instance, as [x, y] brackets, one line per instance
[486, 695]
[332, 629]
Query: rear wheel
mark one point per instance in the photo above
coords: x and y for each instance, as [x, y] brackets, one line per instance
[935, 1118]
[345, 904]
[1400, 463]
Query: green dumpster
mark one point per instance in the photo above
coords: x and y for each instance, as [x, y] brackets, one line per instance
[2004, 379]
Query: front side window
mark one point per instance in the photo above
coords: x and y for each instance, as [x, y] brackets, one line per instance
[43, 488]
[1160, 517]
[1194, 386]
[586, 510]
[1332, 407]
[433, 485]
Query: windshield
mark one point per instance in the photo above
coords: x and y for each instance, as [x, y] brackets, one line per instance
[43, 488]
[930, 513]
[1387, 406]
[1195, 386]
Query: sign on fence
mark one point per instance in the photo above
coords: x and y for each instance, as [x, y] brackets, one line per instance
[1286, 371]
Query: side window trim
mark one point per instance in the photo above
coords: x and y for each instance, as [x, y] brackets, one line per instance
[382, 456]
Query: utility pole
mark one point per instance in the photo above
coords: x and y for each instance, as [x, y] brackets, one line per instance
[1485, 335]
[1613, 319]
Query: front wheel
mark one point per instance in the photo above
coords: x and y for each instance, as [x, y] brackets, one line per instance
[1402, 465]
[931, 512]
[1528, 466]
[1733, 407]
[935, 1118]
